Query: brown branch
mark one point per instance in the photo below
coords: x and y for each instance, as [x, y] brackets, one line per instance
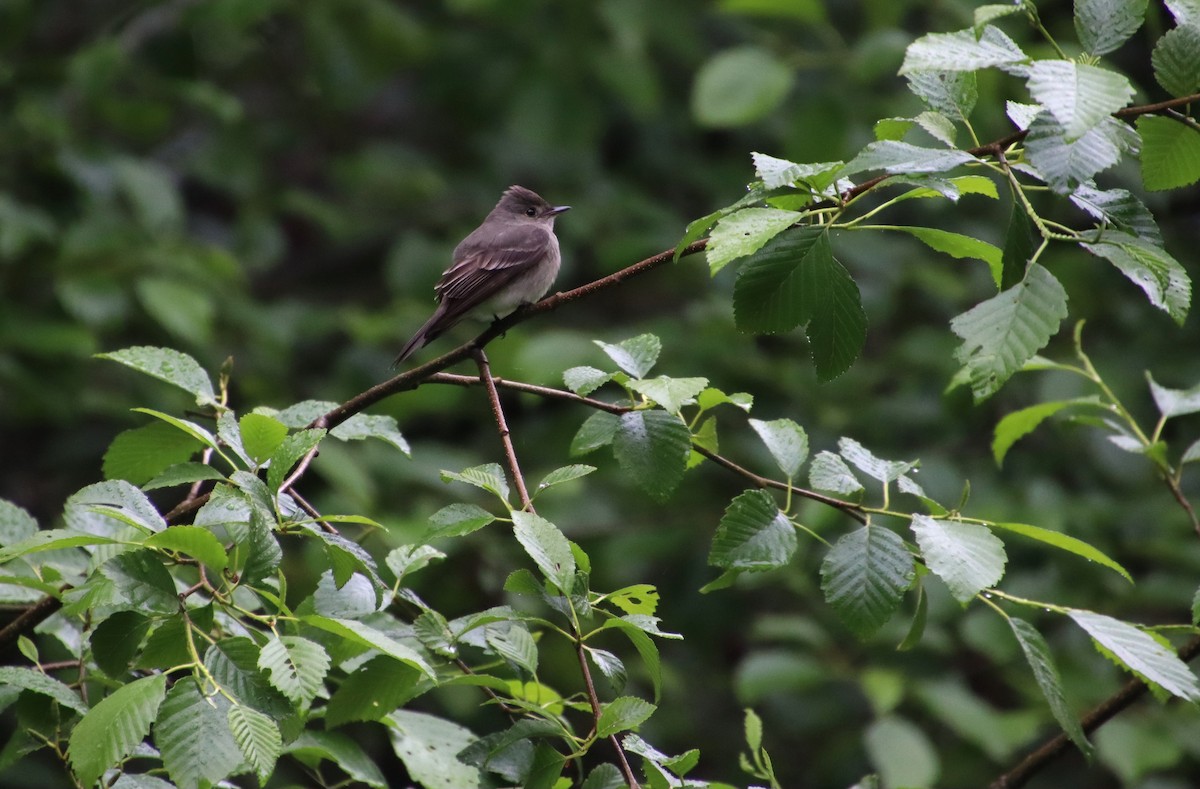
[1133, 690]
[510, 454]
[30, 618]
[594, 701]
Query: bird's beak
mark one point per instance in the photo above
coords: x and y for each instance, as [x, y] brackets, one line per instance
[558, 209]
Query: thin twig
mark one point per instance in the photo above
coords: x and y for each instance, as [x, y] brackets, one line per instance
[30, 618]
[594, 701]
[312, 512]
[510, 454]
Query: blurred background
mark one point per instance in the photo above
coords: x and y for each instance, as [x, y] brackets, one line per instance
[280, 183]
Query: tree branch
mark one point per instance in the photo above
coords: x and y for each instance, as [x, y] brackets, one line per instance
[510, 454]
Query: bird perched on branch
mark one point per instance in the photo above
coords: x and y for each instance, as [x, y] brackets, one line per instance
[511, 259]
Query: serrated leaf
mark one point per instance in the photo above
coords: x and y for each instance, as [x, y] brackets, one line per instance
[380, 426]
[1065, 163]
[177, 369]
[1045, 672]
[1176, 60]
[37, 682]
[563, 474]
[192, 734]
[1103, 25]
[646, 650]
[141, 582]
[1174, 402]
[52, 540]
[548, 548]
[622, 714]
[1192, 453]
[364, 635]
[585, 380]
[1078, 95]
[374, 690]
[1018, 248]
[110, 731]
[1164, 281]
[753, 535]
[776, 173]
[986, 13]
[956, 245]
[312, 746]
[233, 663]
[967, 556]
[261, 435]
[786, 441]
[289, 452]
[183, 474]
[711, 398]
[636, 599]
[190, 428]
[1140, 652]
[1021, 423]
[895, 156]
[117, 639]
[876, 468]
[671, 393]
[864, 577]
[454, 520]
[1186, 12]
[652, 447]
[1001, 334]
[101, 507]
[258, 738]
[429, 747]
[296, 666]
[636, 355]
[1064, 542]
[516, 645]
[596, 431]
[830, 473]
[410, 558]
[952, 93]
[194, 541]
[963, 51]
[745, 232]
[1119, 208]
[1170, 153]
[139, 454]
[489, 477]
[937, 126]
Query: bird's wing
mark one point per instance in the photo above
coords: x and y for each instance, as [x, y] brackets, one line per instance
[483, 269]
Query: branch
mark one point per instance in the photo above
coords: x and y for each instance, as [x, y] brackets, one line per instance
[510, 454]
[1133, 690]
[30, 618]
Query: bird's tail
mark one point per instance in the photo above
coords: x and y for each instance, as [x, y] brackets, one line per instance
[429, 331]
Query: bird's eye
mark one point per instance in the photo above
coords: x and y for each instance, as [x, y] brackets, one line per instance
[531, 211]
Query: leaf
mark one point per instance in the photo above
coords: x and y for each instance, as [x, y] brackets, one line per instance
[636, 355]
[1174, 402]
[515, 645]
[258, 738]
[957, 245]
[1176, 60]
[622, 714]
[986, 13]
[374, 690]
[410, 558]
[52, 540]
[1066, 163]
[380, 426]
[1103, 25]
[563, 474]
[192, 734]
[744, 233]
[1170, 153]
[596, 431]
[1119, 208]
[901, 753]
[1002, 333]
[1186, 12]
[1078, 95]
[864, 577]
[610, 666]
[894, 156]
[786, 441]
[548, 548]
[585, 380]
[1140, 653]
[636, 599]
[652, 447]
[829, 472]
[1021, 423]
[177, 369]
[671, 393]
[296, 667]
[261, 435]
[100, 507]
[1064, 542]
[967, 556]
[340, 749]
[183, 474]
[455, 520]
[963, 51]
[876, 468]
[194, 541]
[110, 731]
[117, 639]
[489, 477]
[753, 535]
[288, 453]
[139, 454]
[429, 747]
[952, 93]
[37, 682]
[645, 647]
[1041, 661]
[366, 636]
[739, 86]
[776, 173]
[142, 582]
[1164, 281]
[233, 663]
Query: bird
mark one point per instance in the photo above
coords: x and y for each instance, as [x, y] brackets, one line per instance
[510, 260]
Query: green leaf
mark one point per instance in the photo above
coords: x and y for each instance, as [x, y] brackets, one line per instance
[192, 734]
[652, 447]
[364, 635]
[429, 747]
[142, 582]
[1103, 25]
[548, 548]
[194, 541]
[312, 746]
[610, 666]
[1140, 653]
[671, 393]
[455, 520]
[622, 714]
[636, 599]
[1119, 208]
[190, 428]
[296, 666]
[1021, 423]
[901, 753]
[739, 86]
[1018, 248]
[110, 731]
[596, 431]
[967, 556]
[645, 647]
[1186, 12]
[374, 691]
[1078, 95]
[952, 93]
[563, 474]
[177, 369]
[261, 435]
[410, 558]
[894, 156]
[986, 13]
[289, 452]
[963, 51]
[636, 355]
[876, 468]
[258, 738]
[489, 477]
[380, 426]
[1065, 163]
[744, 233]
[139, 454]
[864, 577]
[1002, 333]
[179, 307]
[829, 472]
[52, 540]
[99, 507]
[1164, 281]
[753, 535]
[515, 645]
[37, 682]
[1174, 402]
[183, 474]
[1176, 60]
[117, 639]
[233, 663]
[776, 173]
[1045, 672]
[585, 380]
[957, 245]
[1170, 153]
[1064, 542]
[16, 523]
[786, 441]
[755, 195]
[711, 398]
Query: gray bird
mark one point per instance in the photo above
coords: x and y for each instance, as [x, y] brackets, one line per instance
[511, 259]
